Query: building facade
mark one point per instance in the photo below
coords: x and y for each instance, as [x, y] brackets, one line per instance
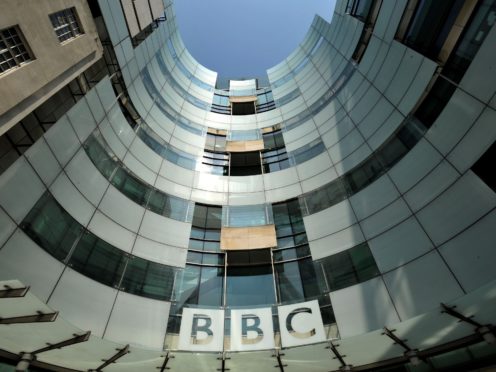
[356, 188]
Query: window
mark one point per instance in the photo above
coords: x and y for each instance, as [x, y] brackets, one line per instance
[359, 8]
[148, 279]
[13, 49]
[349, 267]
[484, 167]
[245, 163]
[65, 24]
[51, 227]
[426, 24]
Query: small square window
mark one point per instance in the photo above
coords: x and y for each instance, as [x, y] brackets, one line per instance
[13, 49]
[65, 24]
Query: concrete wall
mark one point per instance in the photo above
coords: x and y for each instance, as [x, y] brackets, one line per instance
[54, 64]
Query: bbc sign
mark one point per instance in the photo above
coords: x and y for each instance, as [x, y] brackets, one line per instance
[251, 329]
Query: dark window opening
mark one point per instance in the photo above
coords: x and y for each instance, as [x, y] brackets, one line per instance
[367, 11]
[243, 108]
[274, 155]
[474, 34]
[248, 257]
[245, 163]
[434, 102]
[359, 8]
[484, 167]
[429, 25]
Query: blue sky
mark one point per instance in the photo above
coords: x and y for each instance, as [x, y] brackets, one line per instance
[243, 38]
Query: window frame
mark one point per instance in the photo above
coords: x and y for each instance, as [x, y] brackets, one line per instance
[66, 14]
[9, 48]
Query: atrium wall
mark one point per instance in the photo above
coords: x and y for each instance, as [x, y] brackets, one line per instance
[96, 217]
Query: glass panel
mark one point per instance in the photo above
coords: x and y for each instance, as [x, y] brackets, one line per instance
[148, 279]
[196, 244]
[308, 152]
[349, 267]
[211, 246]
[99, 156]
[289, 282]
[194, 257]
[98, 260]
[186, 288]
[51, 227]
[130, 186]
[214, 234]
[247, 215]
[364, 262]
[244, 135]
[156, 202]
[211, 286]
[250, 286]
[284, 255]
[339, 271]
[434, 103]
[176, 208]
[213, 259]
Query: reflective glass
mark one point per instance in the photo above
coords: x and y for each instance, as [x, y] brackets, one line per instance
[51, 227]
[349, 267]
[249, 286]
[148, 279]
[99, 156]
[308, 151]
[186, 287]
[130, 186]
[247, 215]
[98, 260]
[211, 286]
[297, 281]
[434, 103]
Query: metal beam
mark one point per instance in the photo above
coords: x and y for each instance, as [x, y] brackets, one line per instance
[396, 339]
[74, 340]
[450, 310]
[280, 364]
[39, 317]
[166, 361]
[340, 357]
[8, 291]
[120, 353]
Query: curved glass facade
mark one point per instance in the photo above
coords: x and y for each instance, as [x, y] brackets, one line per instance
[355, 189]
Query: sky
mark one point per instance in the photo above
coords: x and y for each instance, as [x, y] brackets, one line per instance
[243, 38]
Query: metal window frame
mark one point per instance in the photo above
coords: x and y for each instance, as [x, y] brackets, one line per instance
[9, 47]
[65, 15]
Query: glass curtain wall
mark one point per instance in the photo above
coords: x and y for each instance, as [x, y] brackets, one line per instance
[262, 277]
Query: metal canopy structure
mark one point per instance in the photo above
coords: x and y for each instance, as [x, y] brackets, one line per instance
[47, 341]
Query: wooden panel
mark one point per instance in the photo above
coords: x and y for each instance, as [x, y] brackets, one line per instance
[157, 7]
[244, 146]
[241, 99]
[132, 21]
[253, 237]
[143, 13]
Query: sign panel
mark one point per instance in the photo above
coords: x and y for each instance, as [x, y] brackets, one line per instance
[301, 324]
[201, 330]
[252, 329]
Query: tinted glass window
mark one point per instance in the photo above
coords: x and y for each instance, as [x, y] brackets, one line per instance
[148, 279]
[98, 260]
[51, 227]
